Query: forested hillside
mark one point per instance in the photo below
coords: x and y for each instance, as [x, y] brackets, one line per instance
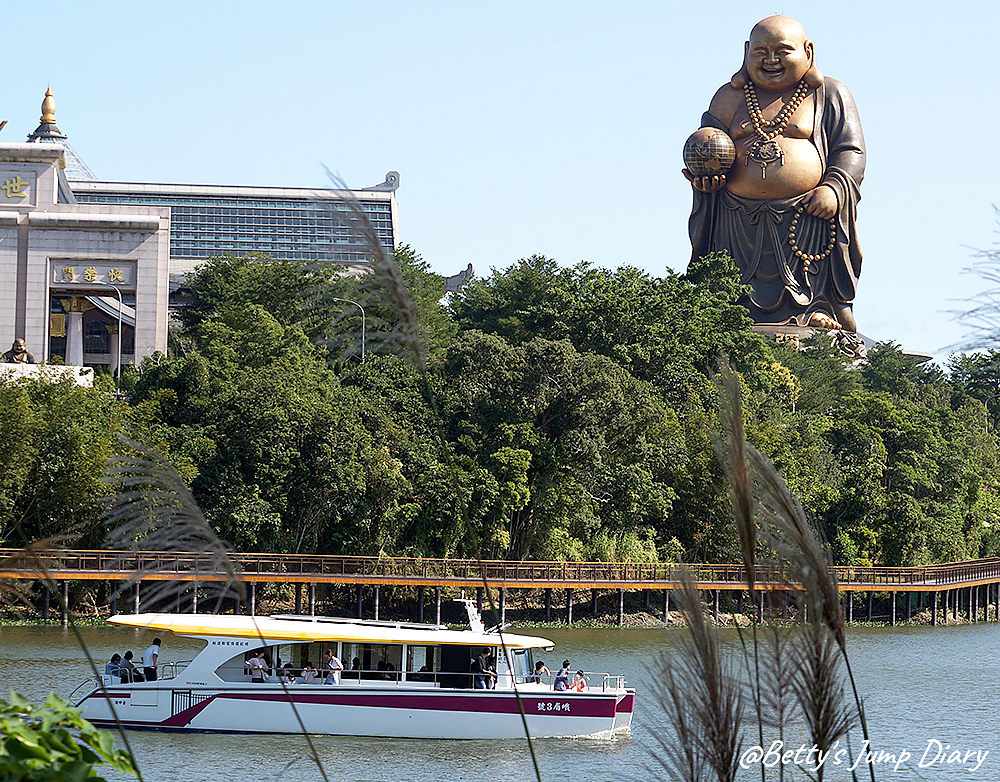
[569, 410]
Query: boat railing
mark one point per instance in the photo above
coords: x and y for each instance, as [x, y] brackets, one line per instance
[609, 681]
[170, 670]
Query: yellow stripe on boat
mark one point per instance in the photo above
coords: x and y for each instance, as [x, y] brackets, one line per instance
[319, 629]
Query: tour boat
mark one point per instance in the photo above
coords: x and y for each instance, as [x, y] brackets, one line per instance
[399, 680]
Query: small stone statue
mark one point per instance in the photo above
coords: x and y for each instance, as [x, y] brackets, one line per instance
[786, 209]
[18, 354]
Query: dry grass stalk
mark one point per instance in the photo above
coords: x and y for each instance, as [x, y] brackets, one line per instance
[820, 688]
[702, 696]
[155, 511]
[798, 554]
[384, 286]
[730, 450]
[801, 556]
[405, 338]
[776, 693]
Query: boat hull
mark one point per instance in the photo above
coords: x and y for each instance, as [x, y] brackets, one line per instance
[363, 711]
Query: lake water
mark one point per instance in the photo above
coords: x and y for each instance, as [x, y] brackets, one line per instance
[921, 685]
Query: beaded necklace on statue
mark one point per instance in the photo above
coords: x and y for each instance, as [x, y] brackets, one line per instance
[765, 150]
[793, 240]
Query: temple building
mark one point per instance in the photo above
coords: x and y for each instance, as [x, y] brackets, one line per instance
[77, 247]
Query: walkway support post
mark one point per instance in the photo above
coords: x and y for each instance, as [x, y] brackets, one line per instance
[194, 597]
[312, 599]
[298, 599]
[548, 605]
[65, 604]
[666, 606]
[45, 601]
[376, 601]
[358, 600]
[437, 605]
[934, 610]
[569, 606]
[503, 606]
[253, 598]
[420, 604]
[135, 599]
[621, 607]
[715, 609]
[593, 602]
[892, 617]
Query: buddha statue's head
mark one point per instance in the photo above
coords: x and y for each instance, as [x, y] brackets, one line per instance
[777, 56]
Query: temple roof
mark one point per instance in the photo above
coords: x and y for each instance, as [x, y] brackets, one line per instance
[48, 133]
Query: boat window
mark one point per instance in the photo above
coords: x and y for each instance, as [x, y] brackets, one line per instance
[421, 660]
[373, 661]
[522, 663]
[456, 666]
[235, 670]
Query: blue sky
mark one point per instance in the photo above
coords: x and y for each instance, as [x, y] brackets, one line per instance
[528, 127]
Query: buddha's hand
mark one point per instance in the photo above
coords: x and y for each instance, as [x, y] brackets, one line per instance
[705, 184]
[821, 202]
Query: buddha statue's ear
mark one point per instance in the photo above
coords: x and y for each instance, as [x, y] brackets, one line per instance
[742, 78]
[813, 77]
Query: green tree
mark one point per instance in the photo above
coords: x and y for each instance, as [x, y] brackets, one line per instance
[58, 437]
[558, 445]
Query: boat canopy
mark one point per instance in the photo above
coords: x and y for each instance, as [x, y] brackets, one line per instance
[313, 629]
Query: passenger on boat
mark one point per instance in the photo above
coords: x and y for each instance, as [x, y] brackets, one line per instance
[129, 672]
[287, 674]
[308, 673]
[423, 675]
[579, 682]
[561, 681]
[483, 674]
[257, 665]
[149, 660]
[113, 668]
[540, 669]
[334, 666]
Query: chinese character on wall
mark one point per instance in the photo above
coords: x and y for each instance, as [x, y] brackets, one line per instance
[14, 187]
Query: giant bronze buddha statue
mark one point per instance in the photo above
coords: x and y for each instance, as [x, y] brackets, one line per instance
[786, 209]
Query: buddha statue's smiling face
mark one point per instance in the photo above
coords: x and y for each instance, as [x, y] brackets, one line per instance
[778, 54]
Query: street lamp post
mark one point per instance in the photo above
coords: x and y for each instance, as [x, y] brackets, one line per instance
[119, 358]
[349, 301]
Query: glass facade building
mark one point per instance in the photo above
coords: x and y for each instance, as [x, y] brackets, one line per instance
[288, 223]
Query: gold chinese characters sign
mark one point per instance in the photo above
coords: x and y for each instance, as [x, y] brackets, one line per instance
[83, 274]
[17, 188]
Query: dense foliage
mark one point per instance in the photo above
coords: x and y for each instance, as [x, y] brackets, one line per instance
[568, 411]
[54, 744]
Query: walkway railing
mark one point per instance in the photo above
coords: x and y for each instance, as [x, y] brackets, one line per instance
[300, 568]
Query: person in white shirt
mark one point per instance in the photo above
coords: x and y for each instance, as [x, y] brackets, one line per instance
[334, 666]
[149, 660]
[257, 666]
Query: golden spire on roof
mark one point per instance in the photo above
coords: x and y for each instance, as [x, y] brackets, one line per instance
[48, 108]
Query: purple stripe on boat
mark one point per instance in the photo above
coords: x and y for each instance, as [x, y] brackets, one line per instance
[567, 706]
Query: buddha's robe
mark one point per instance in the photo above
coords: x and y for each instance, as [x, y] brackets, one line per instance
[756, 232]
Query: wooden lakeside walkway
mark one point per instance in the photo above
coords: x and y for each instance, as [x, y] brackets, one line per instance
[99, 565]
[975, 583]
